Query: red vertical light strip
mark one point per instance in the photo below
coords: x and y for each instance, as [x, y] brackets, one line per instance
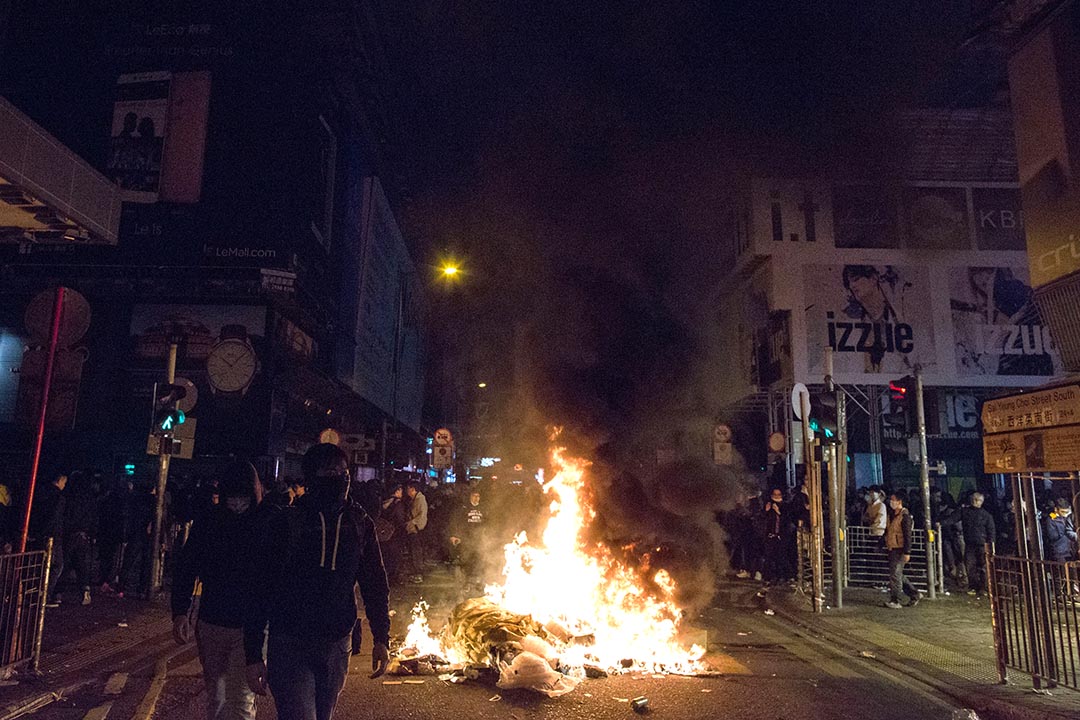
[54, 338]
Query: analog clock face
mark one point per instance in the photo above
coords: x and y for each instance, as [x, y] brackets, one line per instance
[231, 365]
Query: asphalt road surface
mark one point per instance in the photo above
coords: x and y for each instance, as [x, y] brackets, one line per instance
[771, 670]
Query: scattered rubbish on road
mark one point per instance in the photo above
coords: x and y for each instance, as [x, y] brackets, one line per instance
[115, 684]
[640, 704]
[867, 654]
[770, 611]
[392, 682]
[594, 672]
[706, 690]
[744, 634]
[121, 625]
[495, 698]
[621, 699]
[964, 714]
[413, 682]
[659, 677]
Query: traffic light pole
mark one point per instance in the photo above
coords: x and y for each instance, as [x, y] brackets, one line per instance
[813, 489]
[836, 502]
[162, 480]
[924, 478]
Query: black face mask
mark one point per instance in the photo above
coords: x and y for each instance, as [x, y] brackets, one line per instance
[329, 490]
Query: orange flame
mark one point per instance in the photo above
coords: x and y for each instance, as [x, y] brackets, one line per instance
[609, 615]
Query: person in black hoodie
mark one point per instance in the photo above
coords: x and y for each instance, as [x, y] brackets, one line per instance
[979, 529]
[47, 521]
[80, 530]
[219, 553]
[318, 550]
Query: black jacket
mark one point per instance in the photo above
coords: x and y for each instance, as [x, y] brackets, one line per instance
[47, 513]
[307, 571]
[221, 551]
[1059, 537]
[978, 525]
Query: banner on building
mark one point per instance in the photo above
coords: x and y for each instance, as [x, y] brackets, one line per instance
[876, 318]
[140, 116]
[864, 216]
[997, 326]
[936, 217]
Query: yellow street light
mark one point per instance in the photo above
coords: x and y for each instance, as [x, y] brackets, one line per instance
[450, 270]
[481, 385]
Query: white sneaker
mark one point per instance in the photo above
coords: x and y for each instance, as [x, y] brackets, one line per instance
[892, 604]
[742, 574]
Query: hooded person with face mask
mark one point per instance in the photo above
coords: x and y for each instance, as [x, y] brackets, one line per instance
[319, 549]
[219, 553]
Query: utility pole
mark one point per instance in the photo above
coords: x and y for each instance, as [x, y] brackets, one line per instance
[842, 471]
[836, 512]
[924, 477]
[162, 480]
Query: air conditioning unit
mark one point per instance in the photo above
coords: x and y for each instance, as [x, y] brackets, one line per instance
[1059, 303]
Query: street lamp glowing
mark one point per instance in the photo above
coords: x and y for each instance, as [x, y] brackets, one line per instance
[481, 385]
[450, 270]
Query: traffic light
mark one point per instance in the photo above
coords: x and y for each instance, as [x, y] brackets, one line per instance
[823, 420]
[166, 415]
[902, 403]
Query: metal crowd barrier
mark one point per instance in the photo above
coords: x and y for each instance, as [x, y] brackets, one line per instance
[24, 578]
[1036, 618]
[867, 560]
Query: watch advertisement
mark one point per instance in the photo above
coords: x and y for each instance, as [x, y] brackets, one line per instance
[220, 348]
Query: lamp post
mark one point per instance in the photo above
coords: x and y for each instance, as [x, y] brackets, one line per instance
[449, 271]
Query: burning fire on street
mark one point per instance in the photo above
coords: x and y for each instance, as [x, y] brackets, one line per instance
[564, 609]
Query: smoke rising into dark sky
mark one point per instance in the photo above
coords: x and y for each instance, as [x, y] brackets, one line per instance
[579, 157]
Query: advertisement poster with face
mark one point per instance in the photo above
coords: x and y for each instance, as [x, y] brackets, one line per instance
[997, 326]
[876, 318]
[138, 134]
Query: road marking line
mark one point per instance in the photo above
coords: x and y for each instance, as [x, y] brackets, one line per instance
[99, 713]
[116, 683]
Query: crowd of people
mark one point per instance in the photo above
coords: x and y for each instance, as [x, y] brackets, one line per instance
[764, 530]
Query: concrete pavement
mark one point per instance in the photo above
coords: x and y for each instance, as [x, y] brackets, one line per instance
[946, 644]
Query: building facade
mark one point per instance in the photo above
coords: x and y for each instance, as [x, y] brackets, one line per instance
[254, 155]
[921, 265]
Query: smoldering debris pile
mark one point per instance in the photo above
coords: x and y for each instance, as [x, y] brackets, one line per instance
[482, 642]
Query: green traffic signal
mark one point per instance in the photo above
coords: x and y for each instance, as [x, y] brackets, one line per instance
[170, 419]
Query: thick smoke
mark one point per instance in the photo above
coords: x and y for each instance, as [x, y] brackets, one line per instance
[583, 163]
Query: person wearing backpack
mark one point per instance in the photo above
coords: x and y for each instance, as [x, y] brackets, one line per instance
[318, 550]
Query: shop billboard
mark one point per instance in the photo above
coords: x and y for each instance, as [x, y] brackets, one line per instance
[997, 327]
[876, 318]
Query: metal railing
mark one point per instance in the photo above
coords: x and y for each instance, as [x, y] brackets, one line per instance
[867, 559]
[24, 578]
[1036, 618]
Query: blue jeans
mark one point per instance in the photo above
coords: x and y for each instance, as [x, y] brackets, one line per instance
[306, 675]
[221, 652]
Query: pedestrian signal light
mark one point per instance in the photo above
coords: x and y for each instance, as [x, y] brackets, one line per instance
[169, 419]
[129, 468]
[166, 415]
[823, 420]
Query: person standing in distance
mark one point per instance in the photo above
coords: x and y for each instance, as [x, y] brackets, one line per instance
[318, 550]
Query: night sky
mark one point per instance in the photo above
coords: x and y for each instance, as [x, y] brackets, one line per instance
[577, 157]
